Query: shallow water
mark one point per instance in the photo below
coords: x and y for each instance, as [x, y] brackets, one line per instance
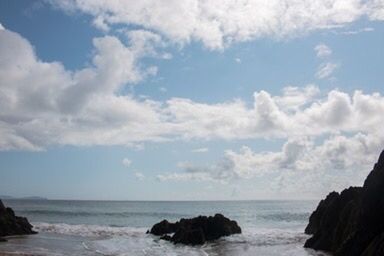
[118, 228]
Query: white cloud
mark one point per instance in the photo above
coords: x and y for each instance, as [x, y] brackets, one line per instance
[322, 50]
[139, 176]
[326, 70]
[200, 150]
[127, 162]
[198, 176]
[99, 23]
[376, 9]
[43, 104]
[300, 167]
[294, 98]
[217, 23]
[1, 27]
[357, 31]
[238, 60]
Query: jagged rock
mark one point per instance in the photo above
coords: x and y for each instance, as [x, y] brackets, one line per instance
[10, 224]
[163, 227]
[351, 223]
[192, 236]
[2, 207]
[196, 230]
[376, 247]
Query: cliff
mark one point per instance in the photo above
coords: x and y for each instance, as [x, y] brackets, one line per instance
[351, 223]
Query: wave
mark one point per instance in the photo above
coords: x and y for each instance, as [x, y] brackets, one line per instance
[87, 230]
[269, 237]
[257, 237]
[122, 241]
[286, 216]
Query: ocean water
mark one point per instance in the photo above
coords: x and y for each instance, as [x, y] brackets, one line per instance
[118, 228]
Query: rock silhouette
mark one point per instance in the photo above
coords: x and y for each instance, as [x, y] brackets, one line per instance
[10, 224]
[351, 223]
[197, 230]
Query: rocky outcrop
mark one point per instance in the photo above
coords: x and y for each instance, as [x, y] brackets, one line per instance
[10, 224]
[196, 230]
[351, 223]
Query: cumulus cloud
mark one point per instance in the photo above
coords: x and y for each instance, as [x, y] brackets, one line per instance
[294, 98]
[300, 166]
[376, 9]
[218, 23]
[43, 104]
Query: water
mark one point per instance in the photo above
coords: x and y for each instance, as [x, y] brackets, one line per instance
[118, 228]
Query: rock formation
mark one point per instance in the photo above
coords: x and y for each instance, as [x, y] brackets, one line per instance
[196, 230]
[351, 223]
[13, 225]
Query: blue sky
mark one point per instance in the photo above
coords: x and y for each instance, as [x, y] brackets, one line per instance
[125, 101]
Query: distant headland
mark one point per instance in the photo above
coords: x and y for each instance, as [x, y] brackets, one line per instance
[6, 197]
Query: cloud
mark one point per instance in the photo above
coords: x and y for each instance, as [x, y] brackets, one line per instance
[44, 104]
[376, 9]
[294, 98]
[322, 51]
[183, 177]
[139, 176]
[357, 31]
[326, 70]
[238, 60]
[200, 150]
[1, 27]
[302, 166]
[219, 23]
[127, 162]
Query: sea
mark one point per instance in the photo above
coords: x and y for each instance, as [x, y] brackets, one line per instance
[119, 228]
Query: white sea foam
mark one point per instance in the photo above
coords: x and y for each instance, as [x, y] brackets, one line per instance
[87, 230]
[268, 237]
[142, 246]
[123, 241]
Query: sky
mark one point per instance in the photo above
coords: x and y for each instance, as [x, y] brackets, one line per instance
[189, 99]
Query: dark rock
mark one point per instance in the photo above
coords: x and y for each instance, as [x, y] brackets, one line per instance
[351, 223]
[191, 236]
[163, 227]
[2, 207]
[10, 224]
[166, 237]
[196, 230]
